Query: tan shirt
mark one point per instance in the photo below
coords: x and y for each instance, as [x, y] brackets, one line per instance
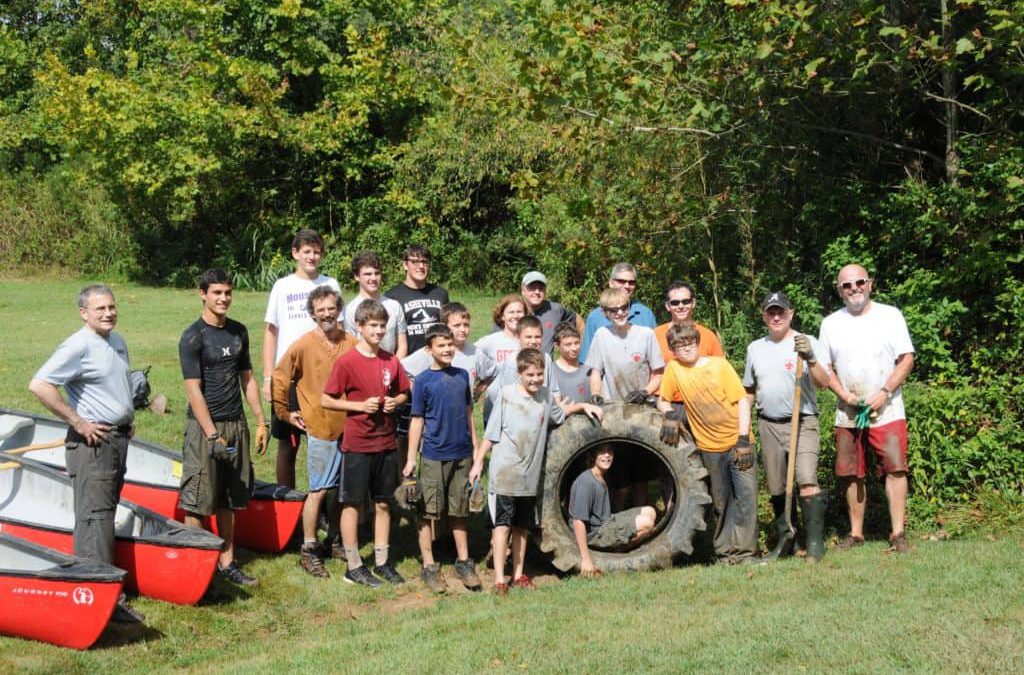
[308, 362]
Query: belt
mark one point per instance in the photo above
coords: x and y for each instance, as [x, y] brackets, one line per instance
[74, 436]
[782, 420]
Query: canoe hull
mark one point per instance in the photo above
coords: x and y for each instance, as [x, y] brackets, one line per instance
[65, 613]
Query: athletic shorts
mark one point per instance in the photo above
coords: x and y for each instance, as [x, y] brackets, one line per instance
[505, 511]
[323, 463]
[364, 475]
[888, 442]
[775, 452]
[286, 431]
[617, 531]
[443, 484]
[208, 484]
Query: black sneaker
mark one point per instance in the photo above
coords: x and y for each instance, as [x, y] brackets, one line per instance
[466, 571]
[309, 560]
[123, 613]
[234, 574]
[362, 577]
[388, 573]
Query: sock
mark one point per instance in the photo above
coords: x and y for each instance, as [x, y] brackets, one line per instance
[355, 561]
[308, 541]
[380, 555]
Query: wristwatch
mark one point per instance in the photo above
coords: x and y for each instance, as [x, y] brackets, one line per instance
[888, 393]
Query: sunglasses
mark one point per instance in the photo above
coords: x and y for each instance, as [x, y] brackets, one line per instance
[859, 283]
[617, 310]
[625, 282]
[684, 302]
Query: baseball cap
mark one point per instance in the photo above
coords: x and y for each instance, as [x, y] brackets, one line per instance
[534, 276]
[776, 299]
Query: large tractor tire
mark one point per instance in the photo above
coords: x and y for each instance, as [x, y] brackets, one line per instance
[632, 430]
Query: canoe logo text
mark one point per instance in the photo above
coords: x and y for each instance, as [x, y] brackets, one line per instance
[82, 595]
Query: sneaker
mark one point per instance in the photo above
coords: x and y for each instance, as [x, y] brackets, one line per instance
[524, 582]
[850, 541]
[234, 574]
[466, 571]
[309, 560]
[362, 577]
[501, 589]
[123, 613]
[432, 578]
[898, 543]
[388, 573]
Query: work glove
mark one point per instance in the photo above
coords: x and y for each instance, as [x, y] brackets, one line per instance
[802, 346]
[596, 399]
[407, 495]
[220, 450]
[637, 396]
[743, 454]
[262, 438]
[863, 418]
[671, 423]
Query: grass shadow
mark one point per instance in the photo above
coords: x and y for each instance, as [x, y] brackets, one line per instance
[123, 634]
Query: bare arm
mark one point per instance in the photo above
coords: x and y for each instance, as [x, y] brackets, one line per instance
[579, 530]
[744, 415]
[269, 351]
[595, 382]
[49, 395]
[472, 427]
[369, 406]
[654, 383]
[415, 437]
[819, 376]
[200, 411]
[402, 350]
[478, 459]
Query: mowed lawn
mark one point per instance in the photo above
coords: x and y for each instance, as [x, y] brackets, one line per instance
[948, 606]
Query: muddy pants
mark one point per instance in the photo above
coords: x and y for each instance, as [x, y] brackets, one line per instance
[97, 474]
[734, 501]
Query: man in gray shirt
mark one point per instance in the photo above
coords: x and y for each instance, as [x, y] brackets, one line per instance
[92, 366]
[770, 376]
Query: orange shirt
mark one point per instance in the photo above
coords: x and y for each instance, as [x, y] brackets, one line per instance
[308, 362]
[709, 343]
[711, 390]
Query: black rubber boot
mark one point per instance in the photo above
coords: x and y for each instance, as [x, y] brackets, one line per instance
[813, 510]
[783, 536]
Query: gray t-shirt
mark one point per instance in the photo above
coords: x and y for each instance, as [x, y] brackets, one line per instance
[518, 429]
[573, 385]
[491, 352]
[420, 360]
[624, 362]
[771, 372]
[508, 374]
[396, 321]
[589, 502]
[94, 372]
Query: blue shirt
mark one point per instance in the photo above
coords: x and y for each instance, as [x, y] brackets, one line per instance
[442, 398]
[639, 315]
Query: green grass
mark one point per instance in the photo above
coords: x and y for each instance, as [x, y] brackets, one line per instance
[948, 606]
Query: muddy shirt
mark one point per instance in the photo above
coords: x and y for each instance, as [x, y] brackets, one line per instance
[624, 362]
[589, 502]
[573, 384]
[518, 428]
[711, 390]
[508, 374]
[216, 356]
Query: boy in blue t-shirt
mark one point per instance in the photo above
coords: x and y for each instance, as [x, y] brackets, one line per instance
[442, 417]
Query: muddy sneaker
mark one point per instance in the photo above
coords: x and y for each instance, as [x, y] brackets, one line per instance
[234, 574]
[309, 560]
[524, 582]
[850, 541]
[388, 573]
[362, 577]
[898, 543]
[432, 578]
[466, 571]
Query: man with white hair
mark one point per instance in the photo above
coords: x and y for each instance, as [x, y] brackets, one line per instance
[623, 276]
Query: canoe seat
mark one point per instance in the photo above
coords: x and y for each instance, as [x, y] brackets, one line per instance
[12, 424]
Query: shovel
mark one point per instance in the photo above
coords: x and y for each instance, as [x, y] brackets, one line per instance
[786, 540]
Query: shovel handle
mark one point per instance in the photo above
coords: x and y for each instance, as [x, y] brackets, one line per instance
[794, 435]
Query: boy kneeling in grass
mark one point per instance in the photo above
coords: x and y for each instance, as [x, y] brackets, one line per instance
[442, 417]
[518, 432]
[590, 512]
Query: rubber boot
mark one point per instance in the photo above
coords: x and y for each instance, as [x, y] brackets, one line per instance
[784, 537]
[813, 510]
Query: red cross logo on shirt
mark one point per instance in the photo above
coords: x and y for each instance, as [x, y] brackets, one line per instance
[789, 366]
[636, 357]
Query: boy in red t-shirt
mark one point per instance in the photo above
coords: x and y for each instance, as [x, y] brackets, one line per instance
[368, 383]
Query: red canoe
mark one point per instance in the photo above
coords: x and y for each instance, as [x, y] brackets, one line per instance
[164, 559]
[49, 596]
[153, 477]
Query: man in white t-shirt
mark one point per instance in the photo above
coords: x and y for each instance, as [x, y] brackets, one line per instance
[868, 349]
[287, 319]
[366, 270]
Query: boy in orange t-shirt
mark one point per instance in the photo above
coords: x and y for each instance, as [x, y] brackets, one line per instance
[706, 393]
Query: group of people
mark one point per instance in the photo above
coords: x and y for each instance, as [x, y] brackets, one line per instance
[384, 389]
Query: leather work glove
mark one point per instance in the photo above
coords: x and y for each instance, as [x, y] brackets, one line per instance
[802, 345]
[220, 450]
[637, 396]
[407, 495]
[673, 419]
[596, 399]
[262, 438]
[743, 454]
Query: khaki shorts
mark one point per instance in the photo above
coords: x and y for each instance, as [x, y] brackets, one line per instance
[208, 484]
[775, 452]
[617, 531]
[443, 485]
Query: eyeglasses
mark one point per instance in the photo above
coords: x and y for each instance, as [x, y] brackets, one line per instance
[683, 301]
[617, 310]
[625, 282]
[418, 261]
[676, 346]
[859, 283]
